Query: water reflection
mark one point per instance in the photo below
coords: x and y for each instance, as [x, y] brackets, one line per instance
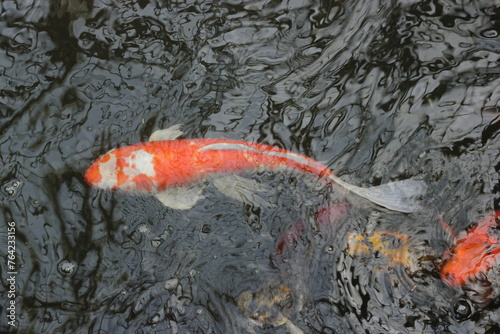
[376, 90]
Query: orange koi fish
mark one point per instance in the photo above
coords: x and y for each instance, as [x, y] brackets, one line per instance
[475, 251]
[175, 171]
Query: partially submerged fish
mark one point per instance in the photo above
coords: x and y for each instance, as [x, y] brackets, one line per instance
[267, 306]
[474, 253]
[326, 217]
[174, 171]
[383, 250]
[393, 246]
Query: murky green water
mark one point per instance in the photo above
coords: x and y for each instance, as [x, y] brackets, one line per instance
[376, 90]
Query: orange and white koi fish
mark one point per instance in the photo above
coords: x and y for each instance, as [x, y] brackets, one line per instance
[175, 170]
[475, 251]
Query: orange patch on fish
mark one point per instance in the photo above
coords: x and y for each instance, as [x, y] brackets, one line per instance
[143, 182]
[122, 177]
[105, 158]
[93, 174]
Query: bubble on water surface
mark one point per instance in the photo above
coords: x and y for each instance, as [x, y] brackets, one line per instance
[67, 268]
[10, 188]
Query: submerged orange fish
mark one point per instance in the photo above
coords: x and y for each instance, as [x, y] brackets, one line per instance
[326, 216]
[175, 170]
[475, 252]
[269, 306]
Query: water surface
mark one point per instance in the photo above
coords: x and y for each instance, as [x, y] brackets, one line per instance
[376, 90]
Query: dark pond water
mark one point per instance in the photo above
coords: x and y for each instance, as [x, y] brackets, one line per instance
[376, 90]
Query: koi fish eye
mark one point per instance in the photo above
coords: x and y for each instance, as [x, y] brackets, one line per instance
[439, 262]
[462, 310]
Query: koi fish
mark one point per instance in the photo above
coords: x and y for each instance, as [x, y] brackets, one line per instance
[268, 306]
[393, 246]
[326, 216]
[475, 252]
[382, 250]
[175, 171]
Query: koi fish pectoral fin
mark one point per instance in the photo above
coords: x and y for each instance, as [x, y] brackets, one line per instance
[242, 189]
[180, 198]
[170, 133]
[399, 196]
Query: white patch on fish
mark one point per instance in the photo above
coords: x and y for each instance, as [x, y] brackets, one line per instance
[109, 175]
[142, 163]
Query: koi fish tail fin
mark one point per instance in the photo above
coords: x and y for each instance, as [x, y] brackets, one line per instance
[397, 196]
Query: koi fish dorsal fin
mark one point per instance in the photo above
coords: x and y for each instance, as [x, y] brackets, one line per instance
[170, 133]
[398, 195]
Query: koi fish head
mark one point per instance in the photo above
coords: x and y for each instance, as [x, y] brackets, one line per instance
[126, 168]
[474, 253]
[459, 264]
